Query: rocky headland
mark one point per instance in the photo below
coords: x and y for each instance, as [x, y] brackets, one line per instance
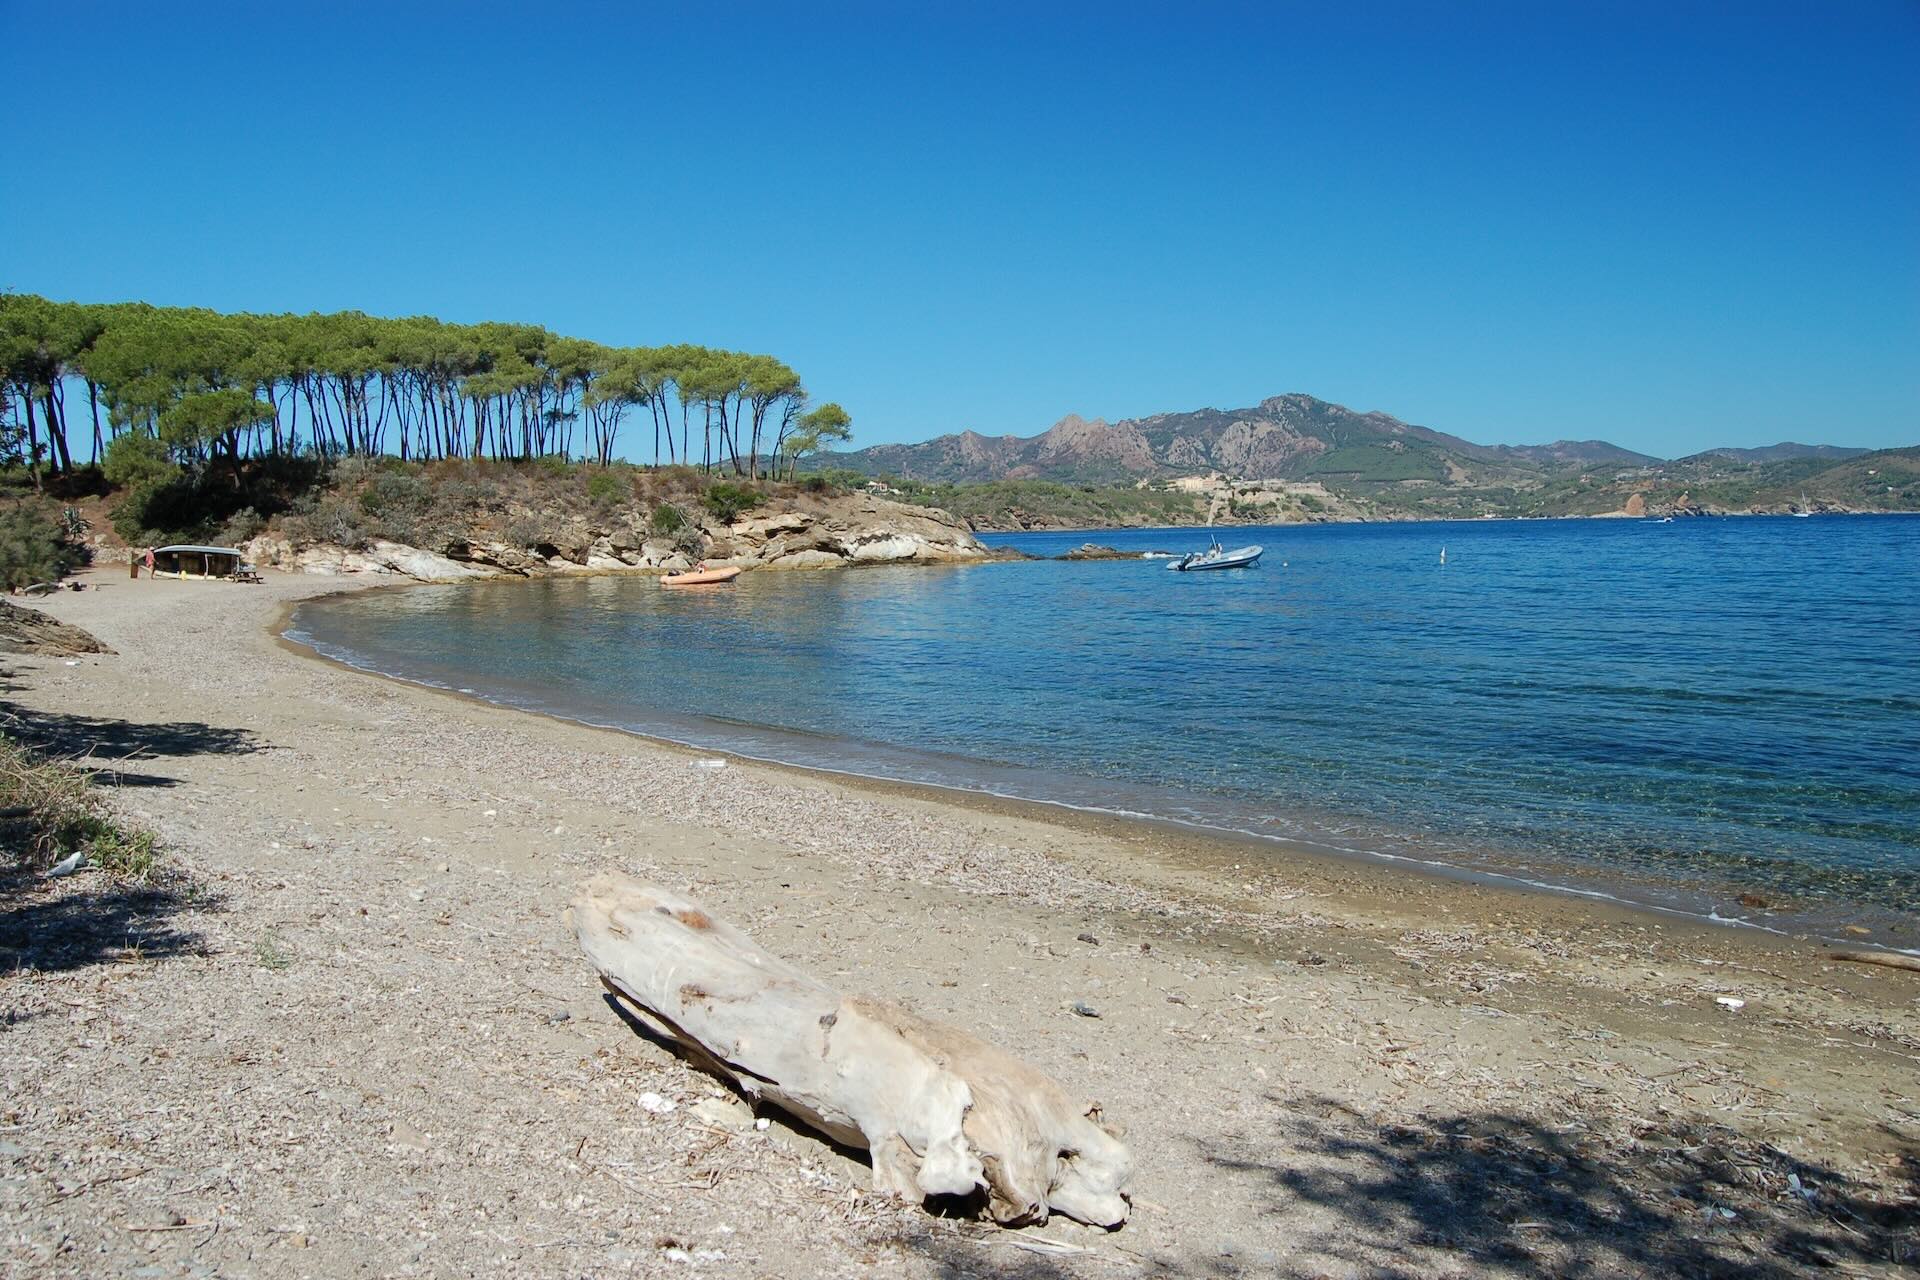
[824, 531]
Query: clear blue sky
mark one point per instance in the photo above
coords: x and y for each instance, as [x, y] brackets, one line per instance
[1670, 225]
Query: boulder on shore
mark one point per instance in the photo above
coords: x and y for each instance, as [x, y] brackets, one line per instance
[1095, 551]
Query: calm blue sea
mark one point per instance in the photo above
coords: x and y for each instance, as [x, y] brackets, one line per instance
[1676, 712]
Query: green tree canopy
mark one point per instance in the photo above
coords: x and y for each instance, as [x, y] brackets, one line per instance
[209, 384]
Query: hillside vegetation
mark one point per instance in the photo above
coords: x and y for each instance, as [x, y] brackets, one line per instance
[126, 424]
[1338, 490]
[1014, 504]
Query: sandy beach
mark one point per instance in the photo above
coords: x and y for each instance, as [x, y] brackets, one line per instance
[351, 1035]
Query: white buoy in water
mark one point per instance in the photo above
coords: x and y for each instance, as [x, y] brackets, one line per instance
[1443, 555]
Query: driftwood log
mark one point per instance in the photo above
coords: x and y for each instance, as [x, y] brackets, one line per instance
[941, 1113]
[1885, 959]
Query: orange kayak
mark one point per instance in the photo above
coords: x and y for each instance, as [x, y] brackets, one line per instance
[700, 577]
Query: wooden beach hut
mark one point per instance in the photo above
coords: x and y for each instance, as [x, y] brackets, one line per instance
[204, 563]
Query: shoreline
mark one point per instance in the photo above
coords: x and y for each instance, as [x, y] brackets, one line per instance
[366, 1037]
[1210, 845]
[1677, 518]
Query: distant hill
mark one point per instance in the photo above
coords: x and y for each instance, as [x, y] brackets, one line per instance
[1318, 460]
[1783, 451]
[1290, 436]
[1580, 453]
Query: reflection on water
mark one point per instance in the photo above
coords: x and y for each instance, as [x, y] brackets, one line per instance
[1708, 703]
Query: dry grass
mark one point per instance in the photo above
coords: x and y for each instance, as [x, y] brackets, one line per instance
[50, 810]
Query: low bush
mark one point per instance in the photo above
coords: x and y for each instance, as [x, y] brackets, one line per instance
[844, 478]
[531, 531]
[606, 488]
[397, 504]
[33, 545]
[727, 501]
[332, 518]
[243, 525]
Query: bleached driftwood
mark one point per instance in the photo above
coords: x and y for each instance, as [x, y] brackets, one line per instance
[942, 1113]
[1885, 959]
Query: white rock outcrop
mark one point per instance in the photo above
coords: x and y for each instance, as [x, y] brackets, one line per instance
[272, 552]
[863, 530]
[399, 558]
[817, 533]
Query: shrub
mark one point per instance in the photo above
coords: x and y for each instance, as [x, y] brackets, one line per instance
[129, 519]
[165, 509]
[398, 502]
[530, 531]
[243, 525]
[200, 503]
[135, 460]
[330, 519]
[606, 487]
[33, 546]
[727, 501]
[352, 471]
[690, 541]
[839, 478]
[668, 519]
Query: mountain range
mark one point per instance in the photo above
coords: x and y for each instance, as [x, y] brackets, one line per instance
[1284, 437]
[1376, 464]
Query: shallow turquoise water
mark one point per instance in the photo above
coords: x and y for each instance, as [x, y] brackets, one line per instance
[1682, 711]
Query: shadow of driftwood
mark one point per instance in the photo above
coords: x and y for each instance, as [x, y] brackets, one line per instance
[1504, 1195]
[54, 927]
[660, 1035]
[967, 1259]
[104, 745]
